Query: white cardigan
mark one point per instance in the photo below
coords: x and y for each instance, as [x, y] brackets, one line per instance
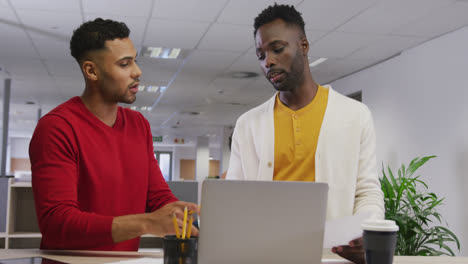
[345, 155]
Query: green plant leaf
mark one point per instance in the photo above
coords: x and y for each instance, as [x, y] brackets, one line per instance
[414, 210]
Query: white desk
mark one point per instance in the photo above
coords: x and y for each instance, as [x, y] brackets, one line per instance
[99, 257]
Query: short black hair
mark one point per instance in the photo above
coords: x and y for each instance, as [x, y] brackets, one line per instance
[285, 12]
[92, 35]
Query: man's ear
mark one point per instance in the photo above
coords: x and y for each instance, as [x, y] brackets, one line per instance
[304, 46]
[89, 70]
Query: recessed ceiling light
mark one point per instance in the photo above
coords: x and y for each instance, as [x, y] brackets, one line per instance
[162, 53]
[152, 89]
[317, 62]
[174, 53]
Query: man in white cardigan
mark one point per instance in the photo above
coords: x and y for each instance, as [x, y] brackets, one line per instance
[306, 131]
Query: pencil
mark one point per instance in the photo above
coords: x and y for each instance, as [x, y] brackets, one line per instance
[184, 224]
[189, 228]
[176, 226]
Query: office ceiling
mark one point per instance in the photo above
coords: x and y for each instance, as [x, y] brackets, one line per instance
[217, 34]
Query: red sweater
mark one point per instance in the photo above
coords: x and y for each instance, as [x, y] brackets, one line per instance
[84, 173]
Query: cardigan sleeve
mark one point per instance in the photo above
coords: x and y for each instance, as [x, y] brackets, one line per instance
[368, 196]
[235, 171]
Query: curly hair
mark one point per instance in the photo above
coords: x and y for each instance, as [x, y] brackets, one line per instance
[92, 35]
[285, 12]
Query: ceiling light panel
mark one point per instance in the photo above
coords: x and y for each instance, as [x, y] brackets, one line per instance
[163, 53]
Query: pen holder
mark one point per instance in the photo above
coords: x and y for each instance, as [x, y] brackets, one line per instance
[180, 251]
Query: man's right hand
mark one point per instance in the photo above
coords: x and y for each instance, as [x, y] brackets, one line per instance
[160, 222]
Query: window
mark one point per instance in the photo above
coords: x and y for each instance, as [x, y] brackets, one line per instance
[164, 159]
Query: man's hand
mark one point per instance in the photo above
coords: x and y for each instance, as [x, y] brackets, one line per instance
[160, 221]
[353, 252]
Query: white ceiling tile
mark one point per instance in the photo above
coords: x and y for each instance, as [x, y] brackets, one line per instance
[339, 44]
[174, 33]
[157, 71]
[336, 68]
[243, 12]
[198, 10]
[439, 22]
[33, 90]
[314, 35]
[184, 91]
[24, 67]
[52, 48]
[247, 63]
[145, 99]
[209, 62]
[72, 79]
[227, 37]
[387, 15]
[8, 17]
[15, 42]
[51, 5]
[150, 66]
[4, 4]
[385, 47]
[72, 87]
[135, 24]
[118, 7]
[63, 68]
[160, 77]
[327, 15]
[60, 24]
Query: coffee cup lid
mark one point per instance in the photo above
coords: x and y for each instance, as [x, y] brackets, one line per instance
[379, 225]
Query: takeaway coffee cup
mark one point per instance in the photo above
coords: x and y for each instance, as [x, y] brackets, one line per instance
[180, 251]
[379, 241]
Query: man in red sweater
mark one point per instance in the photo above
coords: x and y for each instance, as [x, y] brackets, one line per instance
[95, 180]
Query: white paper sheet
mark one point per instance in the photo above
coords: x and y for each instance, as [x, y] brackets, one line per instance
[341, 231]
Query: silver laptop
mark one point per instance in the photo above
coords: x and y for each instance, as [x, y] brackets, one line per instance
[262, 222]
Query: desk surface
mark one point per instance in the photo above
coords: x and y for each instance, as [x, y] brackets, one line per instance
[98, 257]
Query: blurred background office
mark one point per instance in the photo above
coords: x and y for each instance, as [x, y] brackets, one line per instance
[405, 59]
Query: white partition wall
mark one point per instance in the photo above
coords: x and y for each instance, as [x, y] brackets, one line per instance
[419, 101]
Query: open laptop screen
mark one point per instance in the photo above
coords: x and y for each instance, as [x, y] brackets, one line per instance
[262, 222]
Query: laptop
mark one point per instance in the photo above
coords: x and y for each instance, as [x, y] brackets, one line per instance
[262, 222]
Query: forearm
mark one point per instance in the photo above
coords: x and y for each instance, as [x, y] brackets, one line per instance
[129, 226]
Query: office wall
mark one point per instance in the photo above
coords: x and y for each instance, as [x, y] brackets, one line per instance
[419, 104]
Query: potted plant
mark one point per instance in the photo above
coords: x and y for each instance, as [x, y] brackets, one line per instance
[414, 209]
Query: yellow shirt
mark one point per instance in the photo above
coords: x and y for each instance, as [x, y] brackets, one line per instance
[296, 137]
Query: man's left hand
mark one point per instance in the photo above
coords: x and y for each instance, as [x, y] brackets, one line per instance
[354, 251]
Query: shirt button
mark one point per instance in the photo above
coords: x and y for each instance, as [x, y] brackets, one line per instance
[298, 142]
[297, 130]
[269, 164]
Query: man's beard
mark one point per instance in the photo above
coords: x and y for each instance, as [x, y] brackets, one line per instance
[294, 77]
